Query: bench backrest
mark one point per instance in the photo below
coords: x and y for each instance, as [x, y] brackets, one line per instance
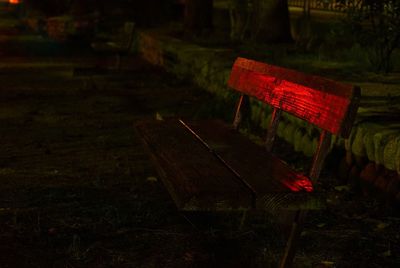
[325, 103]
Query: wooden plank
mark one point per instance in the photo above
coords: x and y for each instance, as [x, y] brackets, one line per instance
[195, 178]
[314, 82]
[320, 101]
[275, 183]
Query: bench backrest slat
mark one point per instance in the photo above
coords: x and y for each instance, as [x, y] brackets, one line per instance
[320, 101]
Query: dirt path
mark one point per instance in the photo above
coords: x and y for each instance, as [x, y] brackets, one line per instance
[73, 177]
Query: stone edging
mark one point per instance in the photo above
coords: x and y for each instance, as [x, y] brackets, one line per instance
[210, 68]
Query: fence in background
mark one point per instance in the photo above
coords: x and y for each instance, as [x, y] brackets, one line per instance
[326, 5]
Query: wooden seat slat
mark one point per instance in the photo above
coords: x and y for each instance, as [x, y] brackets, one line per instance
[270, 177]
[198, 175]
[194, 178]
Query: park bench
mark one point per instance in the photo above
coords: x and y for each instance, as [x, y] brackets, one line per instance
[208, 165]
[112, 50]
[120, 45]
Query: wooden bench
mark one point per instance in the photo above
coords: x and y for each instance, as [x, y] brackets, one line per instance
[120, 45]
[209, 166]
[116, 48]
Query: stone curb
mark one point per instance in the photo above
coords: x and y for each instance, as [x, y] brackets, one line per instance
[210, 68]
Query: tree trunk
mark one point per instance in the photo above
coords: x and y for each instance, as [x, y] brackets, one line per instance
[240, 18]
[271, 21]
[198, 16]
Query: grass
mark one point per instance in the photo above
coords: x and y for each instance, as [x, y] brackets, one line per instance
[78, 190]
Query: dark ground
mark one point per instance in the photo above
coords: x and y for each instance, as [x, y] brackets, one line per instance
[78, 190]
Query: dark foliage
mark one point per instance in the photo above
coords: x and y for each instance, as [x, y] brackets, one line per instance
[376, 23]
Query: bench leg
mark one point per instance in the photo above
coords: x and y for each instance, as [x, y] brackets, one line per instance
[117, 61]
[88, 83]
[243, 219]
[296, 229]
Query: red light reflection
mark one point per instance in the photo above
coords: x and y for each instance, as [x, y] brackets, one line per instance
[300, 183]
[269, 84]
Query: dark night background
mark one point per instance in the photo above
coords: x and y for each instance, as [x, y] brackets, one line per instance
[77, 187]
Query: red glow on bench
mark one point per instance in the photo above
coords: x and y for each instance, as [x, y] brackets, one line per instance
[301, 183]
[273, 85]
[14, 2]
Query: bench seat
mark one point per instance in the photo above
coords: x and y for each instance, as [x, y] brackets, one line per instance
[210, 166]
[248, 177]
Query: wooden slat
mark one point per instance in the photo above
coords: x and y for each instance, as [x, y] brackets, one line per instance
[320, 101]
[275, 183]
[195, 178]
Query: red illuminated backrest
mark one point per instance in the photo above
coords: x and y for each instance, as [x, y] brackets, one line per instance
[325, 103]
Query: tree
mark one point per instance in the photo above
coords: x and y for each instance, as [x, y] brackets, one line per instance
[48, 7]
[271, 21]
[376, 24]
[198, 16]
[239, 11]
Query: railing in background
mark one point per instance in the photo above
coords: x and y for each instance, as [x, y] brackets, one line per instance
[326, 5]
